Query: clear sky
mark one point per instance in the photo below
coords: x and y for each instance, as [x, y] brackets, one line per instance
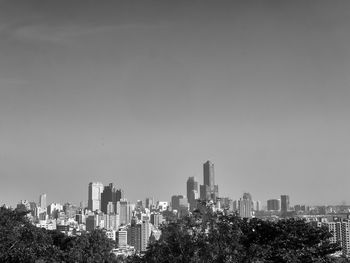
[142, 93]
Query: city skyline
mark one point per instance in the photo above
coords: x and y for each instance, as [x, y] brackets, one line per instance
[142, 93]
[104, 198]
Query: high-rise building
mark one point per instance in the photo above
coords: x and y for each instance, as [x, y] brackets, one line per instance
[345, 238]
[111, 221]
[335, 228]
[183, 207]
[150, 203]
[134, 234]
[139, 234]
[156, 219]
[42, 202]
[209, 190]
[273, 205]
[245, 206]
[110, 194]
[94, 196]
[284, 205]
[125, 211]
[257, 205]
[120, 195]
[111, 208]
[175, 202]
[53, 209]
[91, 222]
[192, 192]
[145, 234]
[122, 238]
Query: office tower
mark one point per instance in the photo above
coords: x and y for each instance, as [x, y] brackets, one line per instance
[111, 221]
[257, 205]
[175, 202]
[110, 208]
[209, 191]
[145, 234]
[139, 204]
[134, 233]
[125, 211]
[119, 195]
[109, 194]
[192, 192]
[183, 208]
[273, 205]
[150, 203]
[235, 205]
[138, 234]
[53, 209]
[91, 223]
[42, 202]
[245, 206]
[335, 228]
[33, 206]
[156, 219]
[94, 196]
[345, 238]
[122, 238]
[284, 205]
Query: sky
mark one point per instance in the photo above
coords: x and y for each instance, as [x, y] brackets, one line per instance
[142, 93]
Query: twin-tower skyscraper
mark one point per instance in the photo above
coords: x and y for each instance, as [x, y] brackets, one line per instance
[208, 190]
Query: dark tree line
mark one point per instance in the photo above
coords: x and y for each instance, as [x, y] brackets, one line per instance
[218, 237]
[21, 241]
[204, 236]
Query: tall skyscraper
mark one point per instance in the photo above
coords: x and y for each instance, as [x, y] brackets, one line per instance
[192, 192]
[42, 202]
[94, 196]
[209, 190]
[284, 205]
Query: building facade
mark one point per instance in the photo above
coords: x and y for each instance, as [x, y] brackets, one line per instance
[95, 190]
[192, 192]
[209, 190]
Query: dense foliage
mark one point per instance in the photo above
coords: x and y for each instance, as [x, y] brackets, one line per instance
[204, 236]
[217, 237]
[20, 241]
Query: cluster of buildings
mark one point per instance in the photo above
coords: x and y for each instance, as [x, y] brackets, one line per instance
[134, 225]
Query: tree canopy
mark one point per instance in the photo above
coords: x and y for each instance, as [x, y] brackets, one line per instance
[219, 237]
[21, 241]
[204, 236]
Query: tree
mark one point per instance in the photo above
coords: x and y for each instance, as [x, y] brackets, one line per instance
[207, 236]
[88, 247]
[286, 241]
[20, 241]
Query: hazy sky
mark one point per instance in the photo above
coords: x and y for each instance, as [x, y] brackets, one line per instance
[142, 93]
